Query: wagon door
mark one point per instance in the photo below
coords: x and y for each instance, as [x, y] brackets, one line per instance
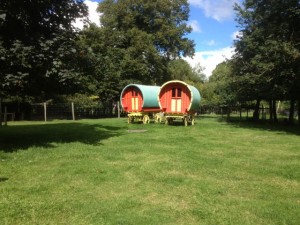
[176, 100]
[136, 100]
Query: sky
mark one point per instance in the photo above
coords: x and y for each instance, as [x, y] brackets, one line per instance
[214, 30]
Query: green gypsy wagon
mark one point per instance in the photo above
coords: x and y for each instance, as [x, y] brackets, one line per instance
[140, 102]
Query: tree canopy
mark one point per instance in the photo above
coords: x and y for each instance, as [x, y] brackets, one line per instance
[43, 54]
[37, 47]
[148, 35]
[136, 43]
[267, 60]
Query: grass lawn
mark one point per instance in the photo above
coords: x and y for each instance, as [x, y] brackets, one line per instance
[109, 172]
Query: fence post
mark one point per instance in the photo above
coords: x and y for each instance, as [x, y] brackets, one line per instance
[0, 111]
[5, 116]
[73, 112]
[118, 105]
[45, 111]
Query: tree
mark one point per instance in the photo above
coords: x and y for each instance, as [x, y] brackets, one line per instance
[217, 91]
[147, 35]
[37, 46]
[267, 54]
[102, 63]
[198, 70]
[181, 70]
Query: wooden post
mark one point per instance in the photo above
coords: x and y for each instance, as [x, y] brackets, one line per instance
[73, 111]
[5, 116]
[118, 105]
[45, 111]
[0, 111]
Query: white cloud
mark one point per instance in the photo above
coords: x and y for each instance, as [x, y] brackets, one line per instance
[210, 59]
[219, 10]
[195, 26]
[94, 16]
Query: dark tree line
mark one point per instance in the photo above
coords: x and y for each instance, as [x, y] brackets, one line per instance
[267, 59]
[37, 47]
[43, 55]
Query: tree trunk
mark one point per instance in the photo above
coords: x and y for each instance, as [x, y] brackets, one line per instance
[256, 111]
[271, 110]
[292, 110]
[298, 111]
[274, 111]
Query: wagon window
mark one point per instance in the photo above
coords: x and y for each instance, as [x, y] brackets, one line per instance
[176, 92]
[179, 92]
[173, 92]
[134, 92]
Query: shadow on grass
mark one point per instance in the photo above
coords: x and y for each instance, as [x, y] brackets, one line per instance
[281, 126]
[3, 179]
[21, 137]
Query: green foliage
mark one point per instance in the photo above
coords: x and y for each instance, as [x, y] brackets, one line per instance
[218, 90]
[139, 39]
[37, 46]
[181, 70]
[268, 53]
[163, 22]
[79, 100]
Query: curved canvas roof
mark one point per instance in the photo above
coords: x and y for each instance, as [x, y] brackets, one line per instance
[149, 94]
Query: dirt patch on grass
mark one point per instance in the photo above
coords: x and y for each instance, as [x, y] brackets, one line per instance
[136, 131]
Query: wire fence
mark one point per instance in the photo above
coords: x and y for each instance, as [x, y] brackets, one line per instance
[68, 111]
[71, 111]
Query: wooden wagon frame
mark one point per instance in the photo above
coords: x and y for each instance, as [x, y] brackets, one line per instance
[185, 118]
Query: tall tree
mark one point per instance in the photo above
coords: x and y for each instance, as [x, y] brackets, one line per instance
[217, 91]
[37, 46]
[147, 35]
[181, 70]
[268, 52]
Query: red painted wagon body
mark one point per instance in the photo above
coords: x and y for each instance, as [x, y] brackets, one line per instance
[140, 101]
[179, 100]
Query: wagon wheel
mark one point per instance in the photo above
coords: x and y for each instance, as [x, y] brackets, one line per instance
[171, 121]
[146, 119]
[167, 122]
[193, 122]
[157, 119]
[185, 121]
[130, 119]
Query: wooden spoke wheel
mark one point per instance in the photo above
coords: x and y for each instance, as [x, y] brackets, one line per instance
[193, 122]
[157, 119]
[146, 119]
[130, 119]
[185, 121]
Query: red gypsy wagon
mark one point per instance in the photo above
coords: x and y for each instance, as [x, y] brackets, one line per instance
[140, 102]
[179, 100]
